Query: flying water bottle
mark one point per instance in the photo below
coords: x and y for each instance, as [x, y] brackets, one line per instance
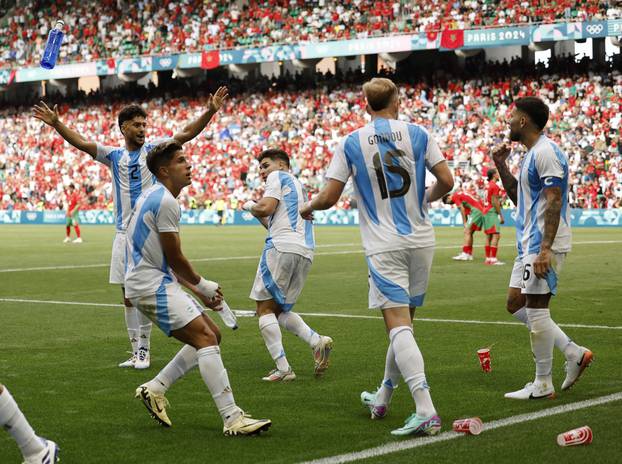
[227, 316]
[55, 40]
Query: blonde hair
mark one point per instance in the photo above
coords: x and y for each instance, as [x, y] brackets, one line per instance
[379, 93]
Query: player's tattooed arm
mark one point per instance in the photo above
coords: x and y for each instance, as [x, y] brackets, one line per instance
[552, 216]
[194, 128]
[510, 184]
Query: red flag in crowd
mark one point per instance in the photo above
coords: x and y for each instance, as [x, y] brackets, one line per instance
[210, 60]
[452, 39]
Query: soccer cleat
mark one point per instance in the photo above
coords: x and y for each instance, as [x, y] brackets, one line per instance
[378, 411]
[155, 403]
[78, 240]
[246, 425]
[130, 362]
[143, 359]
[321, 352]
[488, 261]
[533, 391]
[276, 375]
[67, 240]
[48, 456]
[463, 257]
[416, 425]
[575, 369]
[496, 262]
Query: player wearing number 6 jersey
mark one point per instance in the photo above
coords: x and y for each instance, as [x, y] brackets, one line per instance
[387, 160]
[543, 238]
[130, 176]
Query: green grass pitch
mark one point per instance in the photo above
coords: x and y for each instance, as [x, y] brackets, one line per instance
[59, 360]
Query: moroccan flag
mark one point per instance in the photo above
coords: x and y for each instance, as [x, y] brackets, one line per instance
[452, 39]
[432, 39]
[210, 60]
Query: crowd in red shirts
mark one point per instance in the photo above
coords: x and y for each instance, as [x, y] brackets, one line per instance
[117, 28]
[466, 114]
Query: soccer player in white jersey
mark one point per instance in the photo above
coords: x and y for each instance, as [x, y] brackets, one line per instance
[34, 449]
[155, 265]
[387, 160]
[543, 239]
[130, 177]
[284, 265]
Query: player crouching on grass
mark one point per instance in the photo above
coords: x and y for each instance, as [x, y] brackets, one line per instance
[284, 265]
[155, 267]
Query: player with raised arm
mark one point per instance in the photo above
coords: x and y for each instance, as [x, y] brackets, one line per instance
[284, 265]
[34, 449]
[130, 176]
[543, 239]
[154, 263]
[493, 218]
[387, 160]
[73, 207]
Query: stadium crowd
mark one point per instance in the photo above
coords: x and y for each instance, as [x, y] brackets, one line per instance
[306, 117]
[116, 28]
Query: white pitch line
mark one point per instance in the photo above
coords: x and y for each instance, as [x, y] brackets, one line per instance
[248, 313]
[445, 436]
[239, 258]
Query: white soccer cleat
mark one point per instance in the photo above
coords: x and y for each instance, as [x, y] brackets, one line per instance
[155, 403]
[130, 362]
[246, 425]
[378, 411]
[78, 240]
[321, 353]
[575, 369]
[48, 456]
[496, 262]
[143, 359]
[533, 391]
[463, 257]
[276, 375]
[67, 240]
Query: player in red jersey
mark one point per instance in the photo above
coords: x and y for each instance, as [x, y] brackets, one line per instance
[471, 208]
[493, 218]
[73, 206]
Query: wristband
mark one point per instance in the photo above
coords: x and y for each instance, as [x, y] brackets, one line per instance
[207, 287]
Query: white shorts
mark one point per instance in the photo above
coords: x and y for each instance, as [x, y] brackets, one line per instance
[280, 277]
[399, 278]
[524, 278]
[170, 308]
[117, 262]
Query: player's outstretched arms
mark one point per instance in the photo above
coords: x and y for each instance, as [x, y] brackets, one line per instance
[326, 199]
[444, 181]
[51, 118]
[214, 103]
[510, 184]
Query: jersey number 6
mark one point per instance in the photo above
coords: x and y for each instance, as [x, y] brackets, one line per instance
[389, 156]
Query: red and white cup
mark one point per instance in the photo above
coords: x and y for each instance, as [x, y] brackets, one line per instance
[471, 425]
[484, 359]
[580, 436]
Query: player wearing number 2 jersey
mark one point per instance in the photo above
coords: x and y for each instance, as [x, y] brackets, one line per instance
[387, 160]
[130, 176]
[543, 238]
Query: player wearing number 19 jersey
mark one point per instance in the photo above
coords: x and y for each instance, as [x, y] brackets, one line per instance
[387, 160]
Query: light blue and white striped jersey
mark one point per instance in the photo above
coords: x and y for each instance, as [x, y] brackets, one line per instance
[287, 230]
[388, 159]
[130, 176]
[146, 268]
[545, 165]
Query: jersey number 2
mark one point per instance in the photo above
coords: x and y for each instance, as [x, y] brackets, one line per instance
[389, 156]
[134, 172]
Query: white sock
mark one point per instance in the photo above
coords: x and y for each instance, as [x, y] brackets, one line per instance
[571, 350]
[14, 421]
[391, 378]
[293, 323]
[271, 333]
[410, 362]
[131, 321]
[215, 377]
[542, 339]
[144, 333]
[184, 361]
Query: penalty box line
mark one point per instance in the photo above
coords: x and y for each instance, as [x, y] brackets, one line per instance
[445, 436]
[238, 258]
[250, 313]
